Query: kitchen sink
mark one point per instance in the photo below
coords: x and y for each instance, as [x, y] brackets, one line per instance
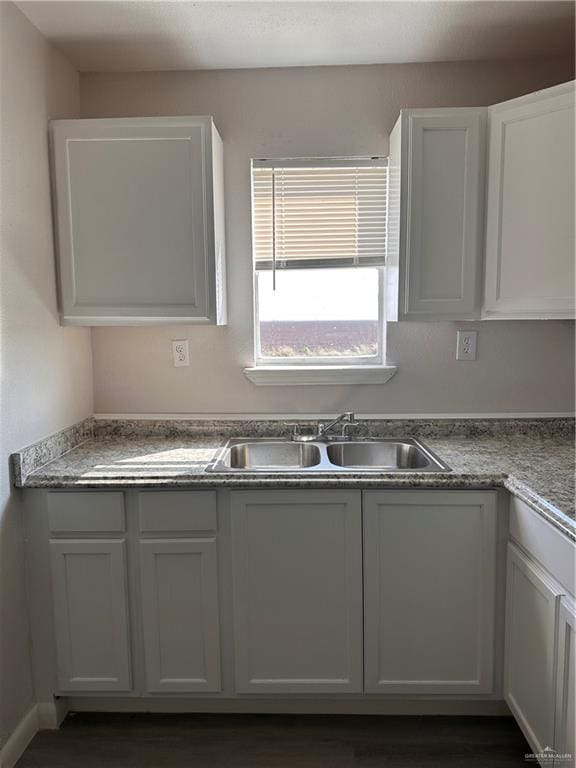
[271, 455]
[281, 455]
[383, 455]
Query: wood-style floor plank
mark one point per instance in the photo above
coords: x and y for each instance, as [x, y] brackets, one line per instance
[277, 741]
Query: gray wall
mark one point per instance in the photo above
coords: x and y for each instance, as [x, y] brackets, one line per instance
[522, 366]
[46, 371]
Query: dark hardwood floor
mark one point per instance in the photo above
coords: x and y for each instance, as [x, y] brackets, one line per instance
[277, 741]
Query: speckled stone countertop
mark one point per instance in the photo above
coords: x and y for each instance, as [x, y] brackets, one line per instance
[534, 459]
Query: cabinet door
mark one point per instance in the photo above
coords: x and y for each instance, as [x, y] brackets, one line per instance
[429, 591]
[90, 611]
[564, 741]
[180, 615]
[530, 207]
[297, 571]
[531, 608]
[135, 219]
[436, 222]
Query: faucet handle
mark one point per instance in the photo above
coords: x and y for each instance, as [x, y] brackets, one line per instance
[345, 427]
[299, 436]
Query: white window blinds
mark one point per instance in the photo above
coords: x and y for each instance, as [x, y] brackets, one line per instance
[319, 213]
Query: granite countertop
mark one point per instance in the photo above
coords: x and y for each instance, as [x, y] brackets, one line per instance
[534, 463]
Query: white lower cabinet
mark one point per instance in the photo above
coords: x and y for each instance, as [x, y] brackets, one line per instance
[386, 592]
[297, 585]
[91, 614]
[180, 617]
[532, 604]
[429, 591]
[564, 741]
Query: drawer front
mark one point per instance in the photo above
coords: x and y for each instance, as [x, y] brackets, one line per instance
[86, 512]
[176, 511]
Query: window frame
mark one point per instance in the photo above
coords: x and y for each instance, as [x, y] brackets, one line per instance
[333, 361]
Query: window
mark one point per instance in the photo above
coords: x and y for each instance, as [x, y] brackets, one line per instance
[319, 241]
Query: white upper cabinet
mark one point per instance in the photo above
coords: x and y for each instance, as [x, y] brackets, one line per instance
[140, 220]
[530, 207]
[435, 231]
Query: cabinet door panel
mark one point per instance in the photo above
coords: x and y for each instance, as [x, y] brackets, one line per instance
[531, 609]
[530, 207]
[138, 239]
[436, 217]
[180, 615]
[429, 591]
[297, 570]
[91, 620]
[564, 741]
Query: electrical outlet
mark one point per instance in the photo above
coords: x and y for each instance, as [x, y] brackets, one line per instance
[466, 345]
[180, 353]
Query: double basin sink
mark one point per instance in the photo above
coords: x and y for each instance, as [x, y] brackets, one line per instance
[272, 455]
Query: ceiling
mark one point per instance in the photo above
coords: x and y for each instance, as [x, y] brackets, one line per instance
[130, 36]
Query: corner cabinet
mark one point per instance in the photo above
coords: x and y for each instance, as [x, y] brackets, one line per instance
[436, 214]
[139, 215]
[530, 207]
[564, 740]
[532, 605]
[481, 211]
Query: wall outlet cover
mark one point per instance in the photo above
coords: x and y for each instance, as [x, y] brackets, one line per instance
[466, 342]
[180, 353]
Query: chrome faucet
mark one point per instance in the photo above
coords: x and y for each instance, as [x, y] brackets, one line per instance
[346, 419]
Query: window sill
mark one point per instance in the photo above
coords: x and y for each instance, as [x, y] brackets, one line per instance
[283, 375]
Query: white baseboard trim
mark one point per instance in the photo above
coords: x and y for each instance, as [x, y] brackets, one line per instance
[44, 716]
[51, 714]
[19, 739]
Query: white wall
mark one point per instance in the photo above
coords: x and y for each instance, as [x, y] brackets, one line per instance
[46, 372]
[522, 366]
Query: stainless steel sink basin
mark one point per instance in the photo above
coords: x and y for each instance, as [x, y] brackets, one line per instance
[370, 456]
[271, 455]
[384, 455]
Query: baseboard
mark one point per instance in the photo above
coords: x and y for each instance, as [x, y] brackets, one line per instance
[51, 714]
[43, 716]
[19, 739]
[473, 707]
